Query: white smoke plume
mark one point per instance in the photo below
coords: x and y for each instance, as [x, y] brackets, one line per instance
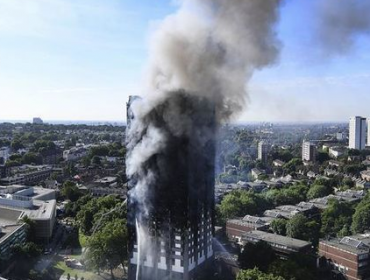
[340, 23]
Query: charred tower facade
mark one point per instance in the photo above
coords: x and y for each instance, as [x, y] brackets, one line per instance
[171, 225]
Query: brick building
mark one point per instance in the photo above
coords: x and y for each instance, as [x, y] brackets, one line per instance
[235, 228]
[349, 255]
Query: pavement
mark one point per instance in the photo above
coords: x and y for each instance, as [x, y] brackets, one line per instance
[55, 245]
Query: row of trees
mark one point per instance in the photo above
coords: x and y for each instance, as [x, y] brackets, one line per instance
[242, 202]
[103, 222]
[337, 220]
[258, 261]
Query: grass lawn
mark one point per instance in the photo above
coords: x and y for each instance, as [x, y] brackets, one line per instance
[82, 239]
[64, 270]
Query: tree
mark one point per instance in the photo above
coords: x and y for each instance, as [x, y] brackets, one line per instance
[289, 269]
[103, 251]
[71, 191]
[361, 218]
[291, 166]
[240, 203]
[335, 217]
[278, 226]
[292, 195]
[96, 160]
[317, 191]
[255, 274]
[349, 183]
[16, 145]
[259, 255]
[31, 228]
[32, 158]
[322, 157]
[301, 227]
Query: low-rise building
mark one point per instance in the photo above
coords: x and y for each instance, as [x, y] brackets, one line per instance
[335, 163]
[256, 172]
[75, 153]
[30, 175]
[336, 152]
[365, 175]
[282, 245]
[349, 255]
[22, 203]
[11, 233]
[235, 228]
[278, 163]
[323, 202]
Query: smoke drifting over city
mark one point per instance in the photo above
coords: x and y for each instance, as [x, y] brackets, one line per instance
[201, 59]
[208, 49]
[340, 23]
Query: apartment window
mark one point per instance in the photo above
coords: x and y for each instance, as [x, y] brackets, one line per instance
[363, 256]
[361, 264]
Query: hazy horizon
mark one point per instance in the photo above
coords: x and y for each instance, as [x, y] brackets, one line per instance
[81, 60]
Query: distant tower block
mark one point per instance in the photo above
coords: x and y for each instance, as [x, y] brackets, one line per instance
[37, 121]
[263, 150]
[308, 151]
[357, 133]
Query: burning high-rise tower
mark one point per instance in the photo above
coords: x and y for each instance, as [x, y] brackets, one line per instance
[179, 219]
[200, 61]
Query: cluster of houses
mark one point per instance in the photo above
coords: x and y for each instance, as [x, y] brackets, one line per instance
[356, 249]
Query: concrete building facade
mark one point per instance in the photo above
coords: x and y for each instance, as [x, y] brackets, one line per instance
[357, 133]
[308, 151]
[263, 150]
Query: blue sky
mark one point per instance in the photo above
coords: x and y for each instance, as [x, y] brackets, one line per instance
[80, 59]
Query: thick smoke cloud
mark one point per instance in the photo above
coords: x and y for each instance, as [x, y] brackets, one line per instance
[340, 23]
[201, 59]
[211, 48]
[208, 49]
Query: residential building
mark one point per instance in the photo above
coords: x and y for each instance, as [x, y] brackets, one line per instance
[349, 255]
[278, 163]
[357, 133]
[263, 150]
[256, 172]
[235, 228]
[37, 121]
[365, 175]
[180, 224]
[341, 136]
[282, 245]
[336, 152]
[30, 175]
[75, 153]
[4, 154]
[17, 202]
[368, 132]
[11, 233]
[308, 151]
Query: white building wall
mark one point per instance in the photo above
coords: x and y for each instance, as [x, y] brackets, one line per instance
[357, 133]
[368, 132]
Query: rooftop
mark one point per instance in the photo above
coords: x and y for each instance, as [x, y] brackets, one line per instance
[276, 239]
[7, 230]
[42, 210]
[356, 244]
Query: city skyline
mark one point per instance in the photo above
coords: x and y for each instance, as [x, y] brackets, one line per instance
[80, 61]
